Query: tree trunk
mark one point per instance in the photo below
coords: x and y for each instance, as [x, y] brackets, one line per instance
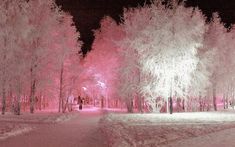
[64, 105]
[17, 106]
[61, 102]
[102, 102]
[214, 97]
[171, 105]
[40, 101]
[232, 96]
[11, 98]
[129, 104]
[106, 102]
[3, 97]
[167, 105]
[226, 97]
[139, 98]
[186, 104]
[4, 78]
[224, 100]
[32, 96]
[139, 104]
[200, 103]
[32, 89]
[183, 104]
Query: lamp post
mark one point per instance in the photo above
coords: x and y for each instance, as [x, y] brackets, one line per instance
[103, 87]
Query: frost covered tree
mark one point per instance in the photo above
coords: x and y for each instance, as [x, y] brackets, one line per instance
[36, 36]
[5, 50]
[41, 19]
[229, 77]
[12, 21]
[107, 48]
[224, 65]
[18, 65]
[66, 56]
[216, 40]
[200, 83]
[164, 48]
[102, 63]
[129, 77]
[58, 47]
[69, 77]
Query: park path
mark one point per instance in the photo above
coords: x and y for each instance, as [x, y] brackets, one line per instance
[81, 131]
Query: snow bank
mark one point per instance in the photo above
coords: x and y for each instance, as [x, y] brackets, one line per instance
[38, 118]
[137, 130]
[13, 130]
[65, 117]
[12, 125]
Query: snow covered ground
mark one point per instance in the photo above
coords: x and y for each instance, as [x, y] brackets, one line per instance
[118, 129]
[12, 125]
[81, 131]
[177, 130]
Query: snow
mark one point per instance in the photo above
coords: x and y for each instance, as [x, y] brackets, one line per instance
[124, 130]
[12, 129]
[223, 138]
[94, 126]
[81, 131]
[12, 125]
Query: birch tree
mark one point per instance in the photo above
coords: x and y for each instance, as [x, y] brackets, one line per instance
[165, 47]
[67, 57]
[35, 37]
[5, 50]
[43, 16]
[216, 40]
[102, 62]
[12, 21]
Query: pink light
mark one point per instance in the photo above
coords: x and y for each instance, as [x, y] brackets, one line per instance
[84, 88]
[101, 84]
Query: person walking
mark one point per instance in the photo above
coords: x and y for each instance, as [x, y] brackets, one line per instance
[80, 101]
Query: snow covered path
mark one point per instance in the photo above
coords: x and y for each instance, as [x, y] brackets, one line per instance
[81, 131]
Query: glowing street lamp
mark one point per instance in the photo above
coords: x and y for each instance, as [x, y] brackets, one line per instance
[101, 84]
[84, 88]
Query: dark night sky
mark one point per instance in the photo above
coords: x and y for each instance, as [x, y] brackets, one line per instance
[88, 13]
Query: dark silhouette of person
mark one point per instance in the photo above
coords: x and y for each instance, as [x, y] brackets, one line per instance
[80, 102]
